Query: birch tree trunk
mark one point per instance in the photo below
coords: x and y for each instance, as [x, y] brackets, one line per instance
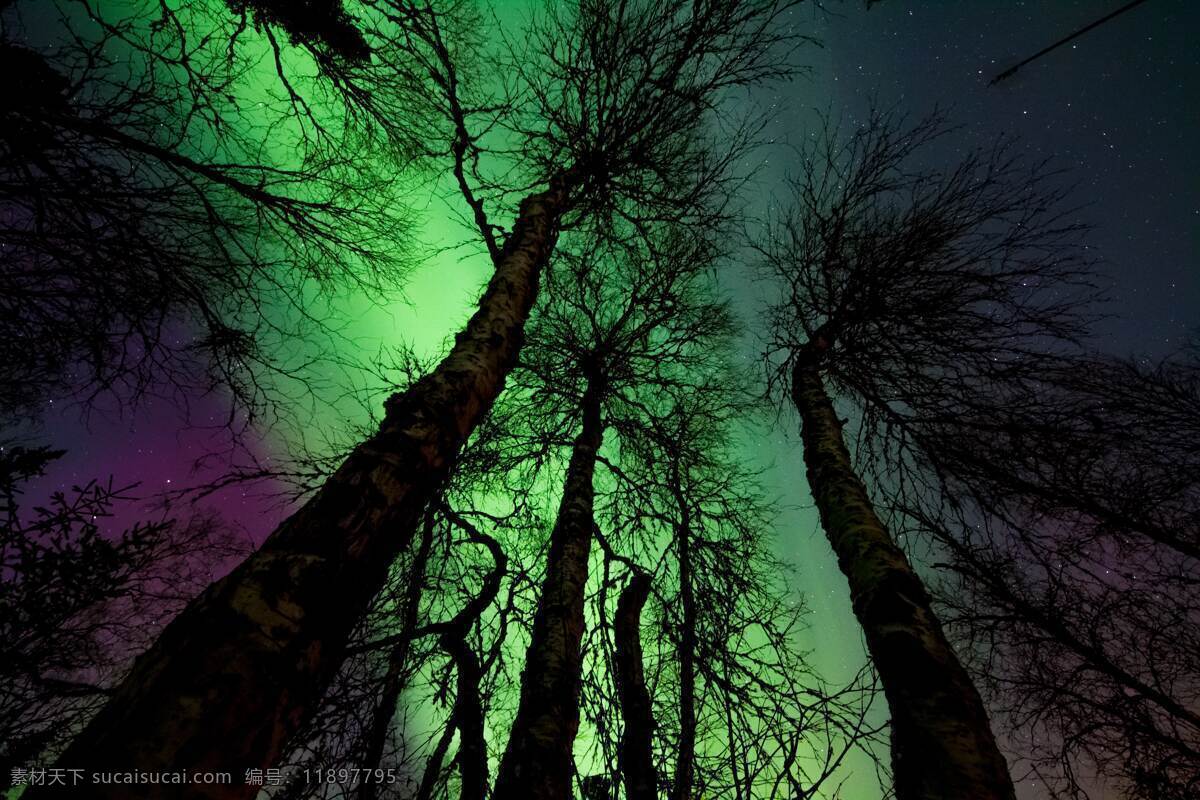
[636, 757]
[236, 674]
[942, 745]
[538, 762]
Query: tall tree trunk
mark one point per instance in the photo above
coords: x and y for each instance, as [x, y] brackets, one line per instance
[468, 717]
[237, 673]
[538, 763]
[685, 768]
[942, 745]
[636, 757]
[432, 774]
[394, 678]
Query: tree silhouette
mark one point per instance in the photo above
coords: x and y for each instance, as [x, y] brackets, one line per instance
[182, 189]
[322, 26]
[641, 315]
[1073, 565]
[210, 688]
[636, 760]
[110, 157]
[619, 325]
[901, 288]
[79, 603]
[642, 325]
[739, 710]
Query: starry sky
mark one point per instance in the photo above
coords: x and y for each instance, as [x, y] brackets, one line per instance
[1116, 106]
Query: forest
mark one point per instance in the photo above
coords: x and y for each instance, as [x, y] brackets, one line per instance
[599, 399]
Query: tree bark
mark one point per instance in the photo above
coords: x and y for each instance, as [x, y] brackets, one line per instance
[538, 762]
[246, 663]
[942, 745]
[636, 756]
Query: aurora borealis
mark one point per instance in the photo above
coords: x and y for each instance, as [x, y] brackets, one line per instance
[1114, 110]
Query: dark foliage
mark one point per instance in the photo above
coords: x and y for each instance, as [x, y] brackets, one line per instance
[145, 226]
[322, 25]
[76, 603]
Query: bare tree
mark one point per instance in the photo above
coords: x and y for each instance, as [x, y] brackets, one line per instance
[902, 289]
[145, 225]
[620, 322]
[1072, 581]
[639, 83]
[643, 316]
[740, 711]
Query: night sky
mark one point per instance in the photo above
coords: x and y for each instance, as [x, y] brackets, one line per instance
[1117, 107]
